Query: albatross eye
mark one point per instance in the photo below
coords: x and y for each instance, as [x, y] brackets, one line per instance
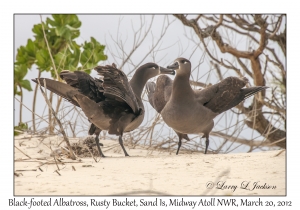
[153, 67]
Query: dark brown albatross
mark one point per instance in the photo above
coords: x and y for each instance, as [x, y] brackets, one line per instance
[190, 111]
[159, 94]
[112, 104]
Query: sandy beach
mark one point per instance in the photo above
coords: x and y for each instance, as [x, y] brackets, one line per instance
[145, 172]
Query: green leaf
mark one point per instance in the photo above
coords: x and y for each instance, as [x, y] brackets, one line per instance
[26, 84]
[20, 72]
[60, 31]
[40, 59]
[38, 30]
[30, 47]
[93, 52]
[51, 22]
[20, 128]
[16, 92]
[43, 59]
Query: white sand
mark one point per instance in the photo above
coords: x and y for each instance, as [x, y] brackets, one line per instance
[146, 172]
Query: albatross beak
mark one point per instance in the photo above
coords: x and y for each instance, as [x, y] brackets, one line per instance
[174, 66]
[163, 70]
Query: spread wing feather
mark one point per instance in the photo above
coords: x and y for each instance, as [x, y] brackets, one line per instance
[117, 87]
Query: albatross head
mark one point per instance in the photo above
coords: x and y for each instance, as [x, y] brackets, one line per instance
[152, 69]
[181, 65]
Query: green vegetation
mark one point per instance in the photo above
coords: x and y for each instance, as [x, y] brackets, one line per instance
[54, 49]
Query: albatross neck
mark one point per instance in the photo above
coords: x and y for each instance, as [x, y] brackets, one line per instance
[138, 82]
[181, 88]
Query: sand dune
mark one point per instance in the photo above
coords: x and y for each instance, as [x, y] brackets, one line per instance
[145, 172]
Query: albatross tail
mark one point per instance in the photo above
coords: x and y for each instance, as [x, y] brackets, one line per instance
[59, 88]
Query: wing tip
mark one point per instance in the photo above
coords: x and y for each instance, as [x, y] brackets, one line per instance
[255, 90]
[150, 87]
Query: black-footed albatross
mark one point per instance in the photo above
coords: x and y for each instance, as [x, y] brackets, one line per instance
[159, 94]
[112, 104]
[190, 111]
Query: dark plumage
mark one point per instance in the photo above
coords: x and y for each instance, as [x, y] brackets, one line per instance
[158, 95]
[112, 104]
[190, 111]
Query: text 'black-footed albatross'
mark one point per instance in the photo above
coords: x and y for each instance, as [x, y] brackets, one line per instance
[190, 111]
[112, 104]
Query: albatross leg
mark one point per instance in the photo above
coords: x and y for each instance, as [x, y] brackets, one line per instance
[179, 142]
[179, 145]
[121, 143]
[98, 145]
[121, 125]
[181, 136]
[95, 130]
[206, 144]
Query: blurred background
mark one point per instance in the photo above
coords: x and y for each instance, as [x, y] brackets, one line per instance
[218, 46]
